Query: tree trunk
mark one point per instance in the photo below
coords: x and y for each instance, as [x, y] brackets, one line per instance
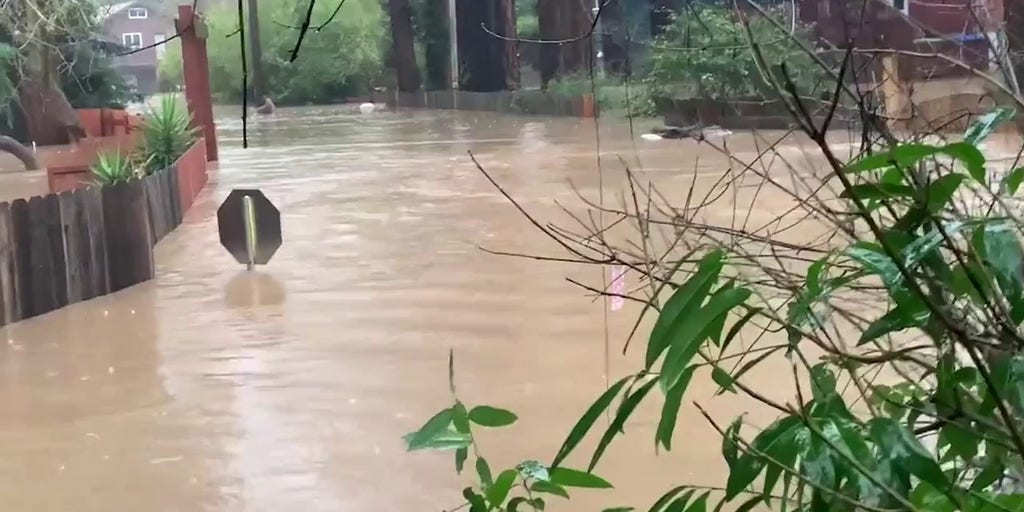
[562, 20]
[256, 74]
[403, 49]
[435, 36]
[20, 152]
[487, 62]
[49, 117]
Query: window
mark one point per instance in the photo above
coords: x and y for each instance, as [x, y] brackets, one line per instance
[901, 5]
[138, 13]
[161, 48]
[132, 40]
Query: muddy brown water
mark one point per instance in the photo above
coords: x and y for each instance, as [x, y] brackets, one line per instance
[208, 389]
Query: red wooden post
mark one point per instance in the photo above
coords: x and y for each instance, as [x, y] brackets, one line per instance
[197, 76]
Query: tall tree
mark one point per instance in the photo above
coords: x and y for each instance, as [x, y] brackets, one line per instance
[256, 73]
[488, 50]
[432, 19]
[402, 46]
[564, 20]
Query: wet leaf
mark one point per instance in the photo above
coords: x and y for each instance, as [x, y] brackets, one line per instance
[497, 493]
[970, 156]
[963, 442]
[874, 259]
[902, 155]
[730, 445]
[515, 503]
[670, 411]
[877, 191]
[817, 465]
[679, 504]
[433, 427]
[1012, 181]
[487, 416]
[684, 302]
[749, 505]
[550, 488]
[700, 504]
[618, 423]
[900, 446]
[992, 471]
[781, 454]
[483, 470]
[984, 125]
[940, 191]
[1004, 254]
[688, 334]
[534, 470]
[587, 420]
[575, 478]
[446, 440]
[461, 455]
[619, 509]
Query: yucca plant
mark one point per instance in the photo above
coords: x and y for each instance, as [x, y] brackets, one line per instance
[166, 134]
[113, 167]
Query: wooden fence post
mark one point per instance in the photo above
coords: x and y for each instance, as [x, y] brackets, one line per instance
[10, 310]
[126, 217]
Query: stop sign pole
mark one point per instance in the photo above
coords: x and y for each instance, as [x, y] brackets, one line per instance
[249, 216]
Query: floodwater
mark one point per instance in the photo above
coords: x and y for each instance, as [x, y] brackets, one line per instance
[209, 389]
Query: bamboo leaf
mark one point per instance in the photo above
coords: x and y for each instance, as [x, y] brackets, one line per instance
[700, 505]
[575, 478]
[625, 410]
[587, 420]
[877, 191]
[900, 446]
[483, 470]
[434, 427]
[461, 455]
[1012, 181]
[550, 488]
[534, 470]
[747, 468]
[679, 504]
[940, 191]
[688, 334]
[670, 411]
[502, 485]
[738, 326]
[487, 416]
[984, 125]
[684, 302]
[460, 418]
[668, 497]
[476, 501]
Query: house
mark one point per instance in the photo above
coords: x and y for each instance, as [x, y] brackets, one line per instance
[138, 26]
[967, 30]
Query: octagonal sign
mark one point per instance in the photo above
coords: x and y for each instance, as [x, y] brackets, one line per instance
[231, 225]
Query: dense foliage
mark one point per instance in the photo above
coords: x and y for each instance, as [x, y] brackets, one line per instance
[342, 59]
[166, 134]
[903, 333]
[706, 53]
[89, 79]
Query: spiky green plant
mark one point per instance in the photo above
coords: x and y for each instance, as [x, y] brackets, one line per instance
[166, 134]
[113, 167]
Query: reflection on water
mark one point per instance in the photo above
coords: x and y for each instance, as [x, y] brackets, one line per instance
[215, 389]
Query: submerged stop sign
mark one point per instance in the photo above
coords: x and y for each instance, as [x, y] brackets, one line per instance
[231, 222]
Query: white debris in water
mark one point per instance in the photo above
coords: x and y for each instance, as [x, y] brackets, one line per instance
[83, 378]
[52, 374]
[106, 313]
[651, 137]
[352, 401]
[165, 460]
[133, 311]
[92, 435]
[367, 108]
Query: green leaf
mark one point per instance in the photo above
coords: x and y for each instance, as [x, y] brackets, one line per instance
[461, 455]
[984, 125]
[993, 470]
[736, 327]
[550, 488]
[460, 418]
[874, 259]
[679, 504]
[476, 501]
[1004, 254]
[667, 498]
[621, 416]
[749, 466]
[483, 470]
[749, 505]
[446, 440]
[497, 493]
[970, 156]
[903, 155]
[683, 303]
[435, 426]
[700, 505]
[899, 318]
[575, 478]
[723, 379]
[487, 416]
[534, 470]
[1012, 181]
[587, 420]
[730, 445]
[877, 191]
[670, 411]
[963, 442]
[619, 509]
[940, 191]
[900, 446]
[515, 503]
[688, 334]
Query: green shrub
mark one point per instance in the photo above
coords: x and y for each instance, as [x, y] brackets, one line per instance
[166, 134]
[112, 168]
[706, 53]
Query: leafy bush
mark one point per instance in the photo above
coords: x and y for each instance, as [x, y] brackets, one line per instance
[113, 167]
[706, 53]
[166, 134]
[923, 285]
[170, 74]
[340, 60]
[612, 94]
[91, 81]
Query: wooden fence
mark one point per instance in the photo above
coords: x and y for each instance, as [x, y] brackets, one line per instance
[511, 102]
[64, 248]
